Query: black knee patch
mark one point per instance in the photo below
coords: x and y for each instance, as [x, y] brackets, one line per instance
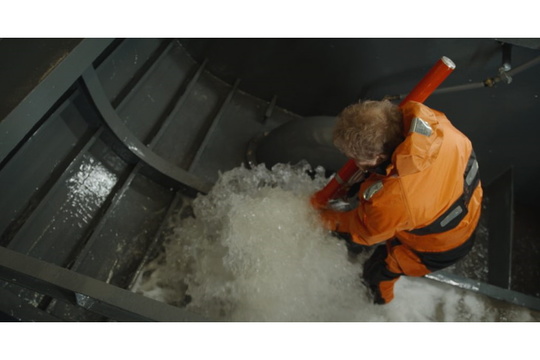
[375, 269]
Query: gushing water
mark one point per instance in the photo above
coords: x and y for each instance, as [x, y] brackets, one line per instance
[254, 250]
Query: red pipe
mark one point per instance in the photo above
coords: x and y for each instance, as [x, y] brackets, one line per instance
[431, 81]
[434, 77]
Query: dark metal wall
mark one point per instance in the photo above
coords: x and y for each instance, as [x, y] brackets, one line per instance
[320, 76]
[20, 74]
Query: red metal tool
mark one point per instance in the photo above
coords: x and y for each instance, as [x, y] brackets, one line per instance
[339, 183]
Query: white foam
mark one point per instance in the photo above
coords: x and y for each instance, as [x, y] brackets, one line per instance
[256, 251]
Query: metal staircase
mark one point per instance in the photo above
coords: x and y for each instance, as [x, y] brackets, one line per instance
[88, 190]
[114, 140]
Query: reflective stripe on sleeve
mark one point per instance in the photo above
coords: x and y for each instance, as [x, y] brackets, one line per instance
[421, 127]
[372, 190]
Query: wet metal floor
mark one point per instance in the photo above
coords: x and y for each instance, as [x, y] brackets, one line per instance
[121, 135]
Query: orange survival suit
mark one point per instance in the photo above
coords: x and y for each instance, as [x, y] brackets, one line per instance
[426, 205]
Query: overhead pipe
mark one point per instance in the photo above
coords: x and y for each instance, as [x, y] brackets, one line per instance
[505, 75]
[340, 182]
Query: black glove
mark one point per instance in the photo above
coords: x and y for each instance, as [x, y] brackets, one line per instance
[352, 247]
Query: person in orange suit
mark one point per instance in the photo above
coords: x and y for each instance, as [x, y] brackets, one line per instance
[421, 198]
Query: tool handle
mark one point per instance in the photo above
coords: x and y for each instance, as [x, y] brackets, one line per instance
[337, 185]
[431, 81]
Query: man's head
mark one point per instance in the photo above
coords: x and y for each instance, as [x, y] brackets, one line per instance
[369, 132]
